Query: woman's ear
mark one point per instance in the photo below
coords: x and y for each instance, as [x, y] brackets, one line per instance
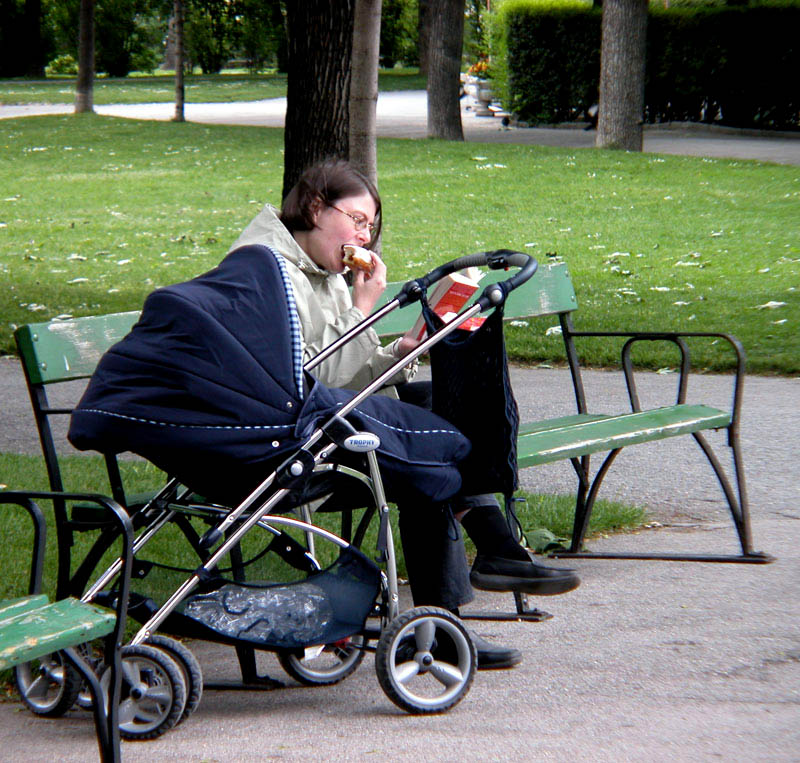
[315, 208]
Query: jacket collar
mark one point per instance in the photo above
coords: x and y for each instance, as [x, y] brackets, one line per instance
[285, 243]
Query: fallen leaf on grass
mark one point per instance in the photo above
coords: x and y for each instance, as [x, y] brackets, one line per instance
[771, 305]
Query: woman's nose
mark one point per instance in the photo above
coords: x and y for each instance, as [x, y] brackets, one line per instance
[363, 235]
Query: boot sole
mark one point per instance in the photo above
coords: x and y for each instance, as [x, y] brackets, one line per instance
[490, 663]
[541, 587]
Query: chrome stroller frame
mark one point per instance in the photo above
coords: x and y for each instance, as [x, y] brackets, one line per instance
[411, 646]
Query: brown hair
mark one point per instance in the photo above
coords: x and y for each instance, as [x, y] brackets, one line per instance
[326, 183]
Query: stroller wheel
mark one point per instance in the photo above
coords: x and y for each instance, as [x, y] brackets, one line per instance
[48, 686]
[328, 665]
[425, 660]
[190, 671]
[153, 692]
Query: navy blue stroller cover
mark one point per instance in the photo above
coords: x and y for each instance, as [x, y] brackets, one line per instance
[209, 386]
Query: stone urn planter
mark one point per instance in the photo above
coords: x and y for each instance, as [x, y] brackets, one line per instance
[480, 94]
[484, 99]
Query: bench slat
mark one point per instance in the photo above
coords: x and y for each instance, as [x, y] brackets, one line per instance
[48, 628]
[549, 291]
[547, 425]
[550, 441]
[70, 349]
[12, 607]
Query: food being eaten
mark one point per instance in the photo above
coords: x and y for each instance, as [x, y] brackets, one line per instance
[357, 258]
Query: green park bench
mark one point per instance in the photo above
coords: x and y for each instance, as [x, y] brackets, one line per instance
[576, 437]
[69, 349]
[34, 629]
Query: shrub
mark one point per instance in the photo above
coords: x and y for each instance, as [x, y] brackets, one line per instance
[730, 64]
[64, 64]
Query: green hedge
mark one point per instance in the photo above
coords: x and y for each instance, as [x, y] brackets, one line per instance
[734, 65]
[550, 53]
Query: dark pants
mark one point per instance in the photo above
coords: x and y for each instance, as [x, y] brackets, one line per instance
[433, 545]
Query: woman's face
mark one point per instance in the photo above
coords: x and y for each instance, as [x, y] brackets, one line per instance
[334, 227]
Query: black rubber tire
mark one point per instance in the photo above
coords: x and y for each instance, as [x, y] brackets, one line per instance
[153, 692]
[190, 669]
[313, 673]
[431, 648]
[48, 686]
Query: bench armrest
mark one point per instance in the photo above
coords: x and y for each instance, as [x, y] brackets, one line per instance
[678, 338]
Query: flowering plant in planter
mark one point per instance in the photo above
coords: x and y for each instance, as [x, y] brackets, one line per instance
[479, 69]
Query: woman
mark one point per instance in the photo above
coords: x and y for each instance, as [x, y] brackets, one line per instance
[333, 205]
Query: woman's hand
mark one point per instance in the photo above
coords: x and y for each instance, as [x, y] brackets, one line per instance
[406, 344]
[367, 288]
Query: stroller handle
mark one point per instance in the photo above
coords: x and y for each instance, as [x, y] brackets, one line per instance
[412, 291]
[494, 294]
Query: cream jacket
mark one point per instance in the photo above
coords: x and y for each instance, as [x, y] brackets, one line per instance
[325, 310]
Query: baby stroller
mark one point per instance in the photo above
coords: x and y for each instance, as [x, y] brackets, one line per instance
[202, 407]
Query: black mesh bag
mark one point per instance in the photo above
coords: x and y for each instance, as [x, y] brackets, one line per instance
[472, 390]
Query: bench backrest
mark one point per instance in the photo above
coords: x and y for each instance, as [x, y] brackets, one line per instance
[69, 349]
[548, 292]
[61, 351]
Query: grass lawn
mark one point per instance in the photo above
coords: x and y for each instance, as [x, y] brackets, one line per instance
[87, 474]
[96, 212]
[199, 88]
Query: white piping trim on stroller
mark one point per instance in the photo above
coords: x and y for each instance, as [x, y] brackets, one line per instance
[184, 426]
[406, 431]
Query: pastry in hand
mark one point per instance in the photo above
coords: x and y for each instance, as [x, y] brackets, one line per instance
[357, 258]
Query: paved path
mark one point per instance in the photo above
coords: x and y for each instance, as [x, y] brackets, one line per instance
[686, 662]
[404, 114]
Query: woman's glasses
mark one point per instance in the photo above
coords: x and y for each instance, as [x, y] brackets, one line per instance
[359, 222]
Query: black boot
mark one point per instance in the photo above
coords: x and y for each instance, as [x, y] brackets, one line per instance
[503, 564]
[494, 573]
[492, 656]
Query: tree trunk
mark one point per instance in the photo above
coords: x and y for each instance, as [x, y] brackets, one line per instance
[84, 87]
[444, 70]
[622, 70]
[424, 33]
[364, 88]
[180, 93]
[318, 88]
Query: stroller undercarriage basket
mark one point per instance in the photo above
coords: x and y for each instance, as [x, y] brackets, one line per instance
[328, 606]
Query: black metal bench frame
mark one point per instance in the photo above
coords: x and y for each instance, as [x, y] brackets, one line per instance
[105, 695]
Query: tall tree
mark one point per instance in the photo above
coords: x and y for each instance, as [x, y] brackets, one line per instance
[318, 89]
[180, 57]
[622, 73]
[424, 10]
[364, 87]
[444, 70]
[84, 87]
